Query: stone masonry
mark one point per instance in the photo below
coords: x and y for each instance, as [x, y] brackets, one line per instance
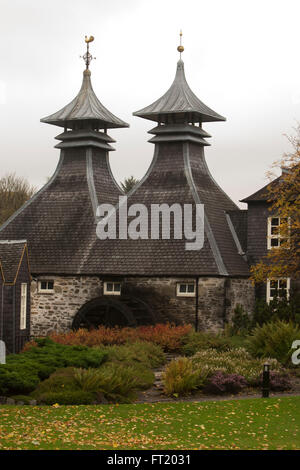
[217, 300]
[55, 311]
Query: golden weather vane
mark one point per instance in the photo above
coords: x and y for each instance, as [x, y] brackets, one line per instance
[87, 57]
[180, 48]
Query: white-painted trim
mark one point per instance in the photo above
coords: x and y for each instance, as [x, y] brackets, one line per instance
[23, 306]
[12, 242]
[113, 292]
[276, 236]
[288, 286]
[185, 294]
[45, 291]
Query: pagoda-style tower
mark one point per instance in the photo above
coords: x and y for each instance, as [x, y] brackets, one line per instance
[59, 221]
[179, 174]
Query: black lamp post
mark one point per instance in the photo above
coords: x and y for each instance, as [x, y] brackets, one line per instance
[266, 381]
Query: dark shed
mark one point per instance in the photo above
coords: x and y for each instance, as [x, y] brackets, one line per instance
[14, 294]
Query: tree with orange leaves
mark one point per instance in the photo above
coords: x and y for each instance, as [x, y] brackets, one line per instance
[284, 197]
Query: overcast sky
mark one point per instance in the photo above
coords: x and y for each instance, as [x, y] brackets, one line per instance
[241, 59]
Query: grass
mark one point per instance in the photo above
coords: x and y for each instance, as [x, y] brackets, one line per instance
[272, 423]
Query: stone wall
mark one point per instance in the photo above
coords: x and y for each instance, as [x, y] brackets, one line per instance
[55, 311]
[239, 291]
[217, 300]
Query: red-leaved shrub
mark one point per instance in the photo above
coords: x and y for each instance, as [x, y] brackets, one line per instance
[168, 336]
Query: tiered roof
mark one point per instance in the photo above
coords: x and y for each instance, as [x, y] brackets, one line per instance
[178, 104]
[85, 108]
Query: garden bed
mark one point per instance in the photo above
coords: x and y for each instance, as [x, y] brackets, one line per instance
[115, 365]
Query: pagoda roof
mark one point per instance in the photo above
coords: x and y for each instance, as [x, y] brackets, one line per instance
[85, 107]
[179, 100]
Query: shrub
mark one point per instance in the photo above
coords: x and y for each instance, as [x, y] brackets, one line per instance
[284, 309]
[115, 382]
[220, 383]
[75, 397]
[236, 361]
[184, 375]
[23, 372]
[197, 341]
[61, 380]
[144, 353]
[24, 398]
[274, 339]
[279, 381]
[18, 380]
[240, 322]
[179, 377]
[168, 336]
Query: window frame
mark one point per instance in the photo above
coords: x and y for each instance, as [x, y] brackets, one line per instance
[45, 291]
[288, 286]
[186, 293]
[23, 306]
[111, 292]
[276, 236]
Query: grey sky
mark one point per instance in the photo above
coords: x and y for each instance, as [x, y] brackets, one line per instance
[241, 59]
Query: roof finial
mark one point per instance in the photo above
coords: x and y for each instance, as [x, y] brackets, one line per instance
[180, 48]
[87, 57]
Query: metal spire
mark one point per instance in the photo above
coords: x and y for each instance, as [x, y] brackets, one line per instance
[180, 48]
[87, 57]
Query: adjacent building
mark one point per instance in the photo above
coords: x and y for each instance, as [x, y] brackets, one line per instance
[14, 294]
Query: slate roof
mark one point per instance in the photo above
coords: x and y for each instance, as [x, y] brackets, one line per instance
[60, 225]
[239, 219]
[175, 178]
[11, 255]
[59, 221]
[263, 194]
[178, 101]
[85, 107]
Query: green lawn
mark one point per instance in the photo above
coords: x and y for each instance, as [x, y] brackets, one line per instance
[237, 424]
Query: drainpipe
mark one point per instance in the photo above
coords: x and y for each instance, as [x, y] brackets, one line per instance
[14, 319]
[197, 304]
[226, 285]
[2, 320]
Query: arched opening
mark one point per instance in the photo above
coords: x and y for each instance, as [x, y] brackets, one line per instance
[109, 311]
[103, 311]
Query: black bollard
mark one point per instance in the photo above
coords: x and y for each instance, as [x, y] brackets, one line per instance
[266, 381]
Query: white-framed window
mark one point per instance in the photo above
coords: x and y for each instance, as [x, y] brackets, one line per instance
[45, 286]
[23, 306]
[277, 288]
[275, 239]
[186, 289]
[112, 288]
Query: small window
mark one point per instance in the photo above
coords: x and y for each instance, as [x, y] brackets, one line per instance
[112, 288]
[46, 287]
[186, 289]
[274, 237]
[23, 307]
[278, 288]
